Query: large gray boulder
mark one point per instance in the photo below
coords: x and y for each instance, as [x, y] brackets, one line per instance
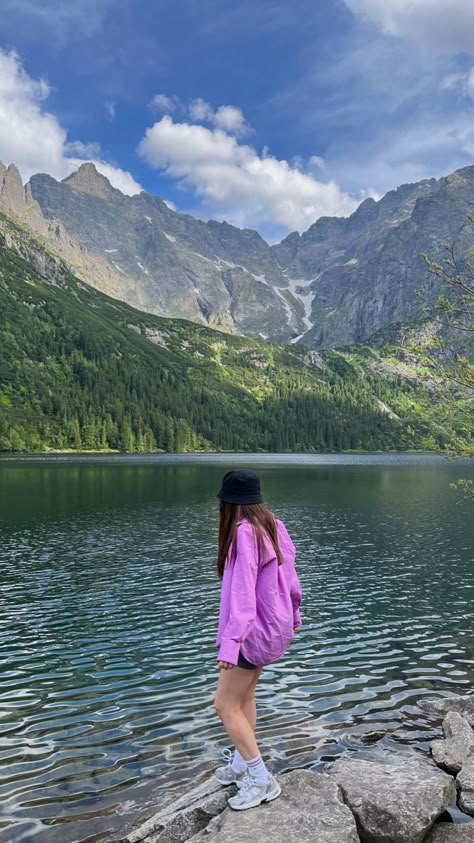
[459, 740]
[309, 810]
[461, 705]
[449, 833]
[395, 801]
[465, 784]
[184, 817]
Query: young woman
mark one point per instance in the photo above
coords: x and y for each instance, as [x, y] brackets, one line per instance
[259, 613]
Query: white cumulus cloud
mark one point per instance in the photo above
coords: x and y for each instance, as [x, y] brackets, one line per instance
[34, 140]
[227, 117]
[234, 181]
[441, 25]
[230, 119]
[200, 110]
[317, 161]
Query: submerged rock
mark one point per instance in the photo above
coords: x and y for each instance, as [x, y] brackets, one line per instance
[461, 705]
[309, 810]
[449, 833]
[459, 740]
[394, 802]
[371, 737]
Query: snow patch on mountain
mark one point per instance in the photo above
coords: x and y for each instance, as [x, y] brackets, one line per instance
[301, 289]
[140, 266]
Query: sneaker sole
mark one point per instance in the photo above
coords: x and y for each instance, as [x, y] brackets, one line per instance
[238, 783]
[274, 794]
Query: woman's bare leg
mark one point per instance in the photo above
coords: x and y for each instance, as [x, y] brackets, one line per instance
[249, 710]
[249, 706]
[235, 705]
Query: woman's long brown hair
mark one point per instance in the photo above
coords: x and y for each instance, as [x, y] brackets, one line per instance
[262, 521]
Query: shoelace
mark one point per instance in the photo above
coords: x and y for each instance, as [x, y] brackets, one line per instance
[227, 755]
[248, 783]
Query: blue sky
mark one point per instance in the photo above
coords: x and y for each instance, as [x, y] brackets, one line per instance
[267, 113]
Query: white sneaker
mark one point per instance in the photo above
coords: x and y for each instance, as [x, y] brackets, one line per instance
[253, 791]
[227, 775]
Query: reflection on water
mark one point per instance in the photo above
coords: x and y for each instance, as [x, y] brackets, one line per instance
[108, 611]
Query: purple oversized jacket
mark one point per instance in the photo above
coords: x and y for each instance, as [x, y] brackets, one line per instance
[260, 599]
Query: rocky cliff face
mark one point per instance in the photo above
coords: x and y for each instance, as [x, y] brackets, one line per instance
[362, 273]
[16, 199]
[340, 282]
[172, 264]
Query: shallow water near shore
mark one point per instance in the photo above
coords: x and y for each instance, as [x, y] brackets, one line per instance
[108, 605]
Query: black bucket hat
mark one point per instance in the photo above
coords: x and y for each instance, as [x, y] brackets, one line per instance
[240, 486]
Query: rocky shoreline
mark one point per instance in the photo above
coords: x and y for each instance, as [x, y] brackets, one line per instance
[383, 796]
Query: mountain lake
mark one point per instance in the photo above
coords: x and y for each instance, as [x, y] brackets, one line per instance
[108, 608]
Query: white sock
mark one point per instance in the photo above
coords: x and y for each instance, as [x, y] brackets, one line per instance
[238, 764]
[257, 769]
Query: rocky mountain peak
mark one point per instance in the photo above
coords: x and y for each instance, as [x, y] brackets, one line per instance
[88, 180]
[11, 187]
[460, 177]
[18, 200]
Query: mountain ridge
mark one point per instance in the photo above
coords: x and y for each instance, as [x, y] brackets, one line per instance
[341, 281]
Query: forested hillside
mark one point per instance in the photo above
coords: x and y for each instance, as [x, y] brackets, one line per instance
[83, 371]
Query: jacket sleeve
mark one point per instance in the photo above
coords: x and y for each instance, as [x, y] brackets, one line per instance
[242, 596]
[295, 593]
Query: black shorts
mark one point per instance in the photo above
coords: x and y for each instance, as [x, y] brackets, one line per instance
[242, 662]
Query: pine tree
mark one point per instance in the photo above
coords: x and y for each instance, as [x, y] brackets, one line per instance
[74, 434]
[127, 439]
